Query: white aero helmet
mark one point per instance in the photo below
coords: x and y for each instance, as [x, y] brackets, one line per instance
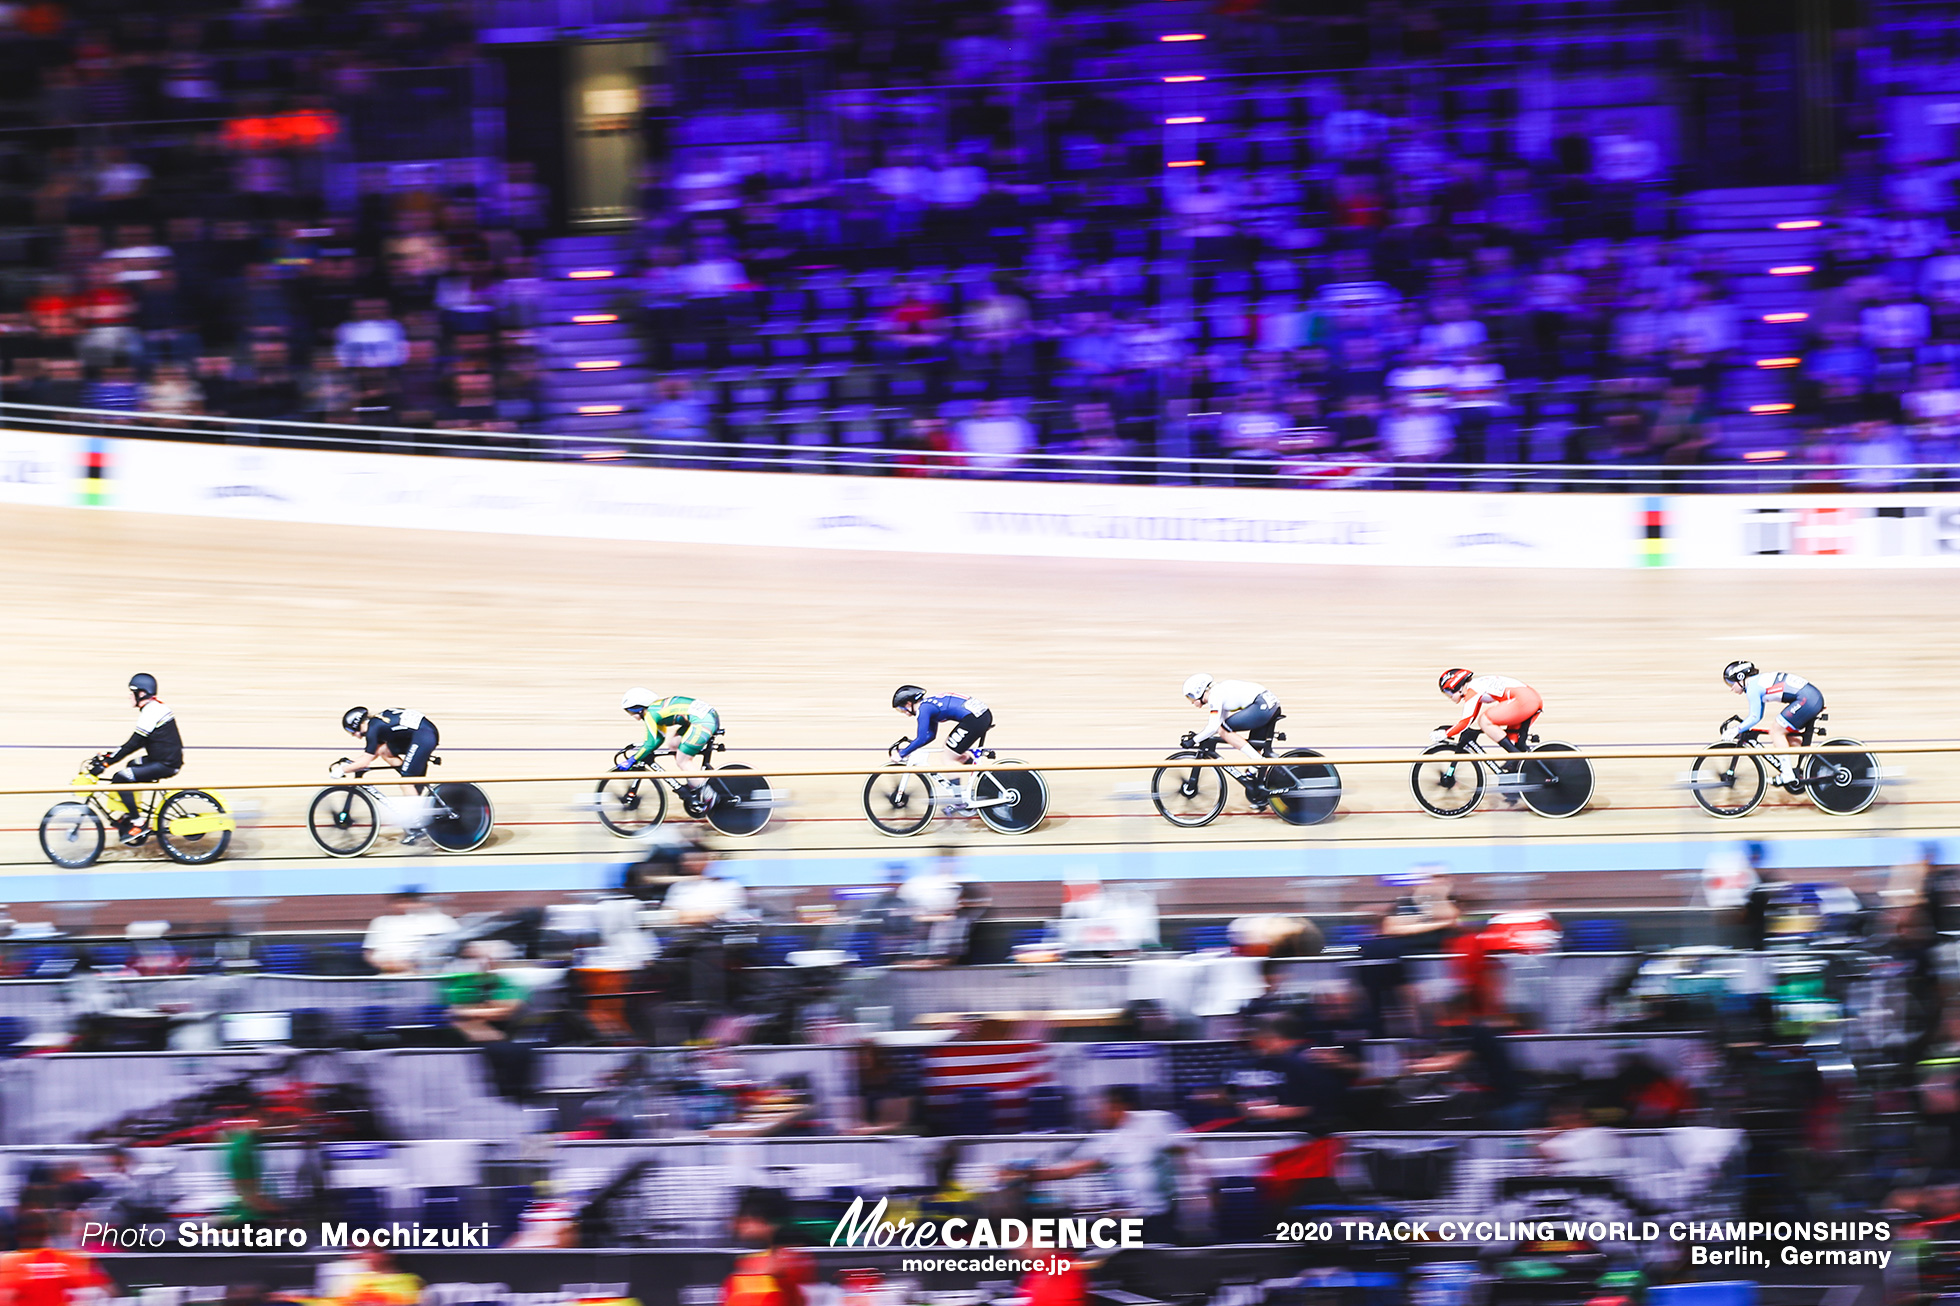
[636, 699]
[1197, 686]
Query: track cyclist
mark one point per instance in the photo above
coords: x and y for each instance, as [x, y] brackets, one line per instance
[398, 737]
[677, 724]
[970, 719]
[1799, 703]
[1506, 707]
[1237, 712]
[156, 738]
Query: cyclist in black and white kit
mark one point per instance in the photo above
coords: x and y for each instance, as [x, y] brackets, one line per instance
[394, 735]
[1237, 712]
[156, 738]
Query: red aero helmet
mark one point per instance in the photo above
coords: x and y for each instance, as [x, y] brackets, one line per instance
[1453, 680]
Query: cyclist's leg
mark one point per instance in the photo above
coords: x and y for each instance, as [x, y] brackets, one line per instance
[968, 736]
[144, 772]
[415, 761]
[1798, 720]
[1511, 720]
[691, 751]
[1250, 727]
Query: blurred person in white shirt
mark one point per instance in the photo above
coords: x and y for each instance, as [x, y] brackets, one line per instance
[399, 942]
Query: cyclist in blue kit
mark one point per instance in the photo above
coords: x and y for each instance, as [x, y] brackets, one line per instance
[1798, 703]
[970, 719]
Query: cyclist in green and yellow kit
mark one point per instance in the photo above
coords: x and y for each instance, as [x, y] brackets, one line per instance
[677, 724]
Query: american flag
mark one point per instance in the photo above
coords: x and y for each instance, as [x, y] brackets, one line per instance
[1006, 1070]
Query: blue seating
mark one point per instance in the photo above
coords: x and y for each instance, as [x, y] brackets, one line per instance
[1048, 1110]
[774, 949]
[1202, 938]
[973, 1113]
[284, 959]
[12, 1030]
[442, 1207]
[110, 956]
[364, 1206]
[1597, 936]
[1238, 1213]
[868, 947]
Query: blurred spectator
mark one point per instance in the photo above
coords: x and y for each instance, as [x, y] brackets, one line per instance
[370, 340]
[993, 440]
[36, 1274]
[484, 1005]
[1281, 1088]
[399, 941]
[1137, 1154]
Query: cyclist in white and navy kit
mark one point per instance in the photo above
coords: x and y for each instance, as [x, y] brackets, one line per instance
[1797, 703]
[1238, 712]
[156, 738]
[970, 719]
[396, 734]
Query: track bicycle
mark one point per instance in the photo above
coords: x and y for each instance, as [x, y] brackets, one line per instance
[346, 819]
[1461, 773]
[1732, 784]
[191, 826]
[1190, 796]
[1010, 798]
[635, 801]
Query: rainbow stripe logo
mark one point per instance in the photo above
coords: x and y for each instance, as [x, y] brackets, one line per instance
[92, 488]
[1653, 535]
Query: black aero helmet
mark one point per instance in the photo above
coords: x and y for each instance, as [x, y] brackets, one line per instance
[353, 719]
[905, 695]
[1738, 671]
[143, 685]
[1452, 681]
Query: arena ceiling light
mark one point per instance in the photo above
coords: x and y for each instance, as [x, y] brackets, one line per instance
[1185, 163]
[1765, 455]
[1792, 270]
[1172, 37]
[1799, 224]
[592, 319]
[1184, 122]
[1781, 318]
[1767, 409]
[595, 410]
[1778, 362]
[596, 364]
[1179, 78]
[591, 274]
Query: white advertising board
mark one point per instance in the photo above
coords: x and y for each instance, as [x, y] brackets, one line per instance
[982, 517]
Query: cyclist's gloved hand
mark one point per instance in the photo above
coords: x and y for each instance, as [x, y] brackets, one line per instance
[1190, 739]
[626, 759]
[1731, 734]
[1440, 735]
[338, 767]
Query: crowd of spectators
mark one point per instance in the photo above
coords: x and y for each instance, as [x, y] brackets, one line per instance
[990, 235]
[185, 259]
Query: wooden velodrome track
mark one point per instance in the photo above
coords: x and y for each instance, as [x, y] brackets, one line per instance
[519, 648]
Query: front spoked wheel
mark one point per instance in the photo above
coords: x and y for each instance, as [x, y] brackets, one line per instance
[341, 820]
[1449, 786]
[1728, 787]
[630, 804]
[1303, 793]
[1011, 800]
[1556, 786]
[1843, 784]
[743, 801]
[898, 803]
[192, 828]
[72, 835]
[1189, 796]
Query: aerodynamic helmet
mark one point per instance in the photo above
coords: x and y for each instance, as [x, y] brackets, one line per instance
[1738, 671]
[354, 720]
[636, 700]
[1451, 682]
[906, 695]
[1197, 685]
